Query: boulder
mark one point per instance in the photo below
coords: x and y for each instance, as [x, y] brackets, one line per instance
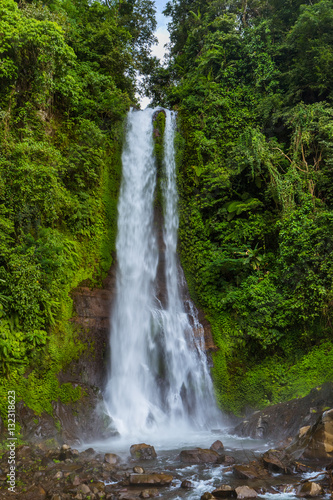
[217, 446]
[224, 491]
[251, 471]
[199, 456]
[138, 470]
[112, 458]
[207, 496]
[245, 492]
[186, 484]
[309, 489]
[143, 451]
[278, 461]
[154, 478]
[83, 488]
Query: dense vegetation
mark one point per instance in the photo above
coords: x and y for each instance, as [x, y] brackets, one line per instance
[252, 82]
[66, 82]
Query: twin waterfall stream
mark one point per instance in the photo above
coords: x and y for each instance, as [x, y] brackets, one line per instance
[159, 382]
[159, 389]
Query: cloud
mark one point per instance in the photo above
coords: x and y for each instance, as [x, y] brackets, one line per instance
[163, 38]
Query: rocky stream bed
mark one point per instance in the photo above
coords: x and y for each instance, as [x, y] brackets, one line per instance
[285, 450]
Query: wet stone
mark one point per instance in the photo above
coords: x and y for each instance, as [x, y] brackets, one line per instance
[138, 470]
[245, 492]
[151, 493]
[309, 489]
[83, 488]
[198, 456]
[224, 491]
[207, 496]
[217, 446]
[98, 485]
[154, 478]
[143, 451]
[186, 484]
[112, 459]
[278, 461]
[250, 471]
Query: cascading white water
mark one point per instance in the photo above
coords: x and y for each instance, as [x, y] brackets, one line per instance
[159, 379]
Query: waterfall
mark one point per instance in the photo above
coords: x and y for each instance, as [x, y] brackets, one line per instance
[159, 378]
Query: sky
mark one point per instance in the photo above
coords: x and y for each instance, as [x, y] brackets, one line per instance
[162, 35]
[161, 32]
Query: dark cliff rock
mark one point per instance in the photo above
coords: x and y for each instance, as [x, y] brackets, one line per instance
[315, 441]
[284, 420]
[83, 420]
[92, 316]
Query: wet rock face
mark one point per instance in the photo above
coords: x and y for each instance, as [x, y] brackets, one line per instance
[92, 316]
[316, 442]
[246, 492]
[284, 420]
[85, 418]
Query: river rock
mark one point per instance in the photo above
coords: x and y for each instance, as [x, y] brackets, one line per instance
[224, 491]
[143, 451]
[151, 493]
[251, 471]
[309, 489]
[186, 484]
[207, 496]
[112, 458]
[159, 479]
[97, 485]
[285, 488]
[199, 456]
[217, 446]
[83, 488]
[278, 461]
[138, 470]
[245, 492]
[35, 492]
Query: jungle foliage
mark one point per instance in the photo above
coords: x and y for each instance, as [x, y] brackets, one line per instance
[252, 82]
[66, 82]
